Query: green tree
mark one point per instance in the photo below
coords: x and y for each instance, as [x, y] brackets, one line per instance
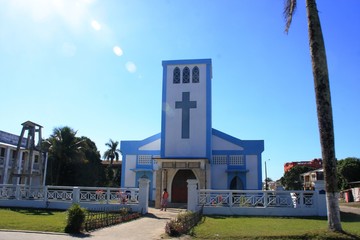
[113, 175]
[73, 161]
[291, 179]
[112, 153]
[91, 172]
[323, 105]
[266, 183]
[348, 171]
[64, 150]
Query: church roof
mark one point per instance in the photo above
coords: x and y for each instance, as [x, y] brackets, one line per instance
[221, 141]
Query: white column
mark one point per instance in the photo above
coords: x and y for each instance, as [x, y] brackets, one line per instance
[192, 195]
[321, 197]
[6, 166]
[76, 195]
[20, 168]
[144, 194]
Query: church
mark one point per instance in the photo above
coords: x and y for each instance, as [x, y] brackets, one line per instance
[188, 147]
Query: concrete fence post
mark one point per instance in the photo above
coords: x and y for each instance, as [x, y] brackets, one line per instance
[17, 192]
[192, 195]
[321, 197]
[108, 195]
[231, 197]
[76, 195]
[266, 199]
[45, 194]
[144, 195]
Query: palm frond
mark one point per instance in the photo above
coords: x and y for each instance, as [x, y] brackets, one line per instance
[289, 10]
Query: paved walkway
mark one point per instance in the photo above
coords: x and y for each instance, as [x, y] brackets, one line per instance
[152, 226]
[350, 209]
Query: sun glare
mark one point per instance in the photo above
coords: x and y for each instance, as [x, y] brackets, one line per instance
[131, 67]
[95, 25]
[74, 13]
[118, 51]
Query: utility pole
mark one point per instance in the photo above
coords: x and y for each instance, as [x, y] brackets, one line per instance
[266, 179]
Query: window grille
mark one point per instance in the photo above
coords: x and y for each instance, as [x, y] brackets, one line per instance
[195, 75]
[176, 75]
[186, 75]
[237, 160]
[219, 159]
[144, 159]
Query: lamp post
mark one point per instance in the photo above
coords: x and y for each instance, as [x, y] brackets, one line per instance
[266, 178]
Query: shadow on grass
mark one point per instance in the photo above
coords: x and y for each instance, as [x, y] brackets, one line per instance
[349, 217]
[319, 236]
[345, 217]
[278, 217]
[351, 236]
[29, 211]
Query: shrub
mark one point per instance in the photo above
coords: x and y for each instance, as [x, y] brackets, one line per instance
[75, 219]
[124, 211]
[175, 228]
[183, 223]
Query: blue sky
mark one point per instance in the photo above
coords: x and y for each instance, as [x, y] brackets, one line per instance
[96, 66]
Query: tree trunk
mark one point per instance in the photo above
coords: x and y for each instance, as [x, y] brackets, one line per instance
[324, 113]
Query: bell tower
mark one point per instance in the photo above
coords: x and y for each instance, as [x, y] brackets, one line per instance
[22, 171]
[186, 109]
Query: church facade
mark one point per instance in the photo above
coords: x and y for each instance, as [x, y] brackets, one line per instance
[188, 147]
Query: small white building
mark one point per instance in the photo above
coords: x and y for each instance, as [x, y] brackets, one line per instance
[188, 147]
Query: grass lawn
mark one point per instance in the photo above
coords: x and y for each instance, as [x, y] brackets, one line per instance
[213, 227]
[32, 219]
[218, 227]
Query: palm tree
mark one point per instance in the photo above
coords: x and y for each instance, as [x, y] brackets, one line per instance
[112, 153]
[65, 149]
[323, 105]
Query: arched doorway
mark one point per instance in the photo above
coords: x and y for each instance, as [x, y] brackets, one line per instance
[179, 192]
[236, 184]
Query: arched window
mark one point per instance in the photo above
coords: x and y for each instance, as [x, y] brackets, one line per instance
[186, 75]
[195, 75]
[176, 75]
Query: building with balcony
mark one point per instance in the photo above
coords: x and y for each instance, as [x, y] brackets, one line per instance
[309, 178]
[8, 145]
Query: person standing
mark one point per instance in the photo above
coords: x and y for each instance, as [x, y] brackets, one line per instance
[164, 199]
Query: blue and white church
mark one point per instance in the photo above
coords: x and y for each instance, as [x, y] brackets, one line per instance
[188, 147]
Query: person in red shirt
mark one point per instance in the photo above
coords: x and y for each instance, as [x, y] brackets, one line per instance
[164, 199]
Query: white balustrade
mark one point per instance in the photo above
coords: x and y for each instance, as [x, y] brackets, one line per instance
[256, 198]
[61, 197]
[68, 194]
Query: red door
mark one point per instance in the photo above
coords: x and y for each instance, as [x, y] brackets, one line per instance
[179, 186]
